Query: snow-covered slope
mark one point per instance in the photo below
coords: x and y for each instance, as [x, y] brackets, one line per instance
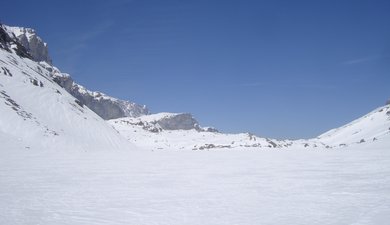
[374, 126]
[35, 112]
[105, 106]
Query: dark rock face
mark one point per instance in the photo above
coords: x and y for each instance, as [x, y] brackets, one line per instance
[5, 39]
[8, 43]
[210, 129]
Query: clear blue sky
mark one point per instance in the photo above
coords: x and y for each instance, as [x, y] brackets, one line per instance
[283, 69]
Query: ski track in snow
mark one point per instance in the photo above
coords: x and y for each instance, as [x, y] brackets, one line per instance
[195, 187]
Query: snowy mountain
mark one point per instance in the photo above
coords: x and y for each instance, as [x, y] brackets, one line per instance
[37, 113]
[105, 106]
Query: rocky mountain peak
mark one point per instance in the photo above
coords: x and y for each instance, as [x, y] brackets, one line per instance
[9, 43]
[29, 39]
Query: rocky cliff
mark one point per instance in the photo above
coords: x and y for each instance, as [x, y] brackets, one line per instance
[105, 106]
[34, 45]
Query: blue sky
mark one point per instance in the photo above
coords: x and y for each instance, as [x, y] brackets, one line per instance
[282, 69]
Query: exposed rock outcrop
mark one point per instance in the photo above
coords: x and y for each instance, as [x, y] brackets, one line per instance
[9, 43]
[29, 39]
[178, 121]
[105, 106]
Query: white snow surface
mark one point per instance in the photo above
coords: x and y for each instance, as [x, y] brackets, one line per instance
[348, 186]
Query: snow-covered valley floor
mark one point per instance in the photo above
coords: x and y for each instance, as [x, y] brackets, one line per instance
[344, 186]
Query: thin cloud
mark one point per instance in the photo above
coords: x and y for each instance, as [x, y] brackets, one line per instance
[361, 60]
[95, 32]
[285, 85]
[77, 42]
[315, 86]
[254, 84]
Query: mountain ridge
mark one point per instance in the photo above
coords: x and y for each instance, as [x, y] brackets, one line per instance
[105, 106]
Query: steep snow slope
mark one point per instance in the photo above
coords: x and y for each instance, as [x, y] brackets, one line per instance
[38, 113]
[370, 128]
[105, 106]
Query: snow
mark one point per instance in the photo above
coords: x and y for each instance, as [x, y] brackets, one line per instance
[350, 186]
[17, 31]
[157, 116]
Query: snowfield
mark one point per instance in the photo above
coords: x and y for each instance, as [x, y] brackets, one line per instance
[344, 186]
